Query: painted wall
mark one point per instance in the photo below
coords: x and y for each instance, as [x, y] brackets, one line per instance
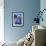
[29, 7]
[43, 6]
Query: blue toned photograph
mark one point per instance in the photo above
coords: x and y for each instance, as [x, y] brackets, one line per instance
[18, 18]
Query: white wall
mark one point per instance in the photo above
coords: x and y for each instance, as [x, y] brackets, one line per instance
[1, 20]
[43, 6]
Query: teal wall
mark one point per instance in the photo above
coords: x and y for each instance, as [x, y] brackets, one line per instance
[29, 7]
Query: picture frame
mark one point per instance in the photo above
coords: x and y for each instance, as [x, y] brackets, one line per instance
[17, 19]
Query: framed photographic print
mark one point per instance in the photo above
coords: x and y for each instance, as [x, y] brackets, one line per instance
[17, 19]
